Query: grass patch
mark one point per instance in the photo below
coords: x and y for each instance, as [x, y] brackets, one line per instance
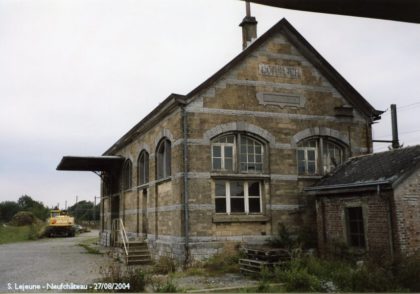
[88, 245]
[13, 234]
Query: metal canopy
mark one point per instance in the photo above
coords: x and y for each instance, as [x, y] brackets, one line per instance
[91, 163]
[399, 10]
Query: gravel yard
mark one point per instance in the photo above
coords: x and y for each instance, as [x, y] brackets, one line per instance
[53, 261]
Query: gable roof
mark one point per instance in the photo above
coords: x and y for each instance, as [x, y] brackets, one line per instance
[309, 52]
[306, 49]
[388, 167]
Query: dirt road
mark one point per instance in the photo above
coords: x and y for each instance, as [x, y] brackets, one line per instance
[48, 261]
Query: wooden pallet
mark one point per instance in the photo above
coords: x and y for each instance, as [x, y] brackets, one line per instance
[259, 258]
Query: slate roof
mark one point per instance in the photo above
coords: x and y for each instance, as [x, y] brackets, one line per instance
[377, 168]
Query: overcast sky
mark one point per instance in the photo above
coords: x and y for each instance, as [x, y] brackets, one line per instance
[75, 75]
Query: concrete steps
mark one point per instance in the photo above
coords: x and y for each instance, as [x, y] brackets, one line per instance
[138, 253]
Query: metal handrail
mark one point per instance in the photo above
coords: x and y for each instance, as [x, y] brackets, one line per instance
[124, 237]
[118, 226]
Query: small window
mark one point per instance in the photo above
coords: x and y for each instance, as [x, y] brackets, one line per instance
[163, 159]
[237, 197]
[143, 168]
[355, 227]
[126, 175]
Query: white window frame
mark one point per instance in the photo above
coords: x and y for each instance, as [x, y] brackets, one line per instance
[323, 164]
[327, 165]
[246, 197]
[248, 163]
[306, 160]
[222, 154]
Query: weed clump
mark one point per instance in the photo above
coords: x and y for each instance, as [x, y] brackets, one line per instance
[164, 265]
[114, 273]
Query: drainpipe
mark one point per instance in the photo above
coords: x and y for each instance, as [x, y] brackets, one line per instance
[186, 192]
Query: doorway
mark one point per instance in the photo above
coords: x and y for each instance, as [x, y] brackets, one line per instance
[144, 214]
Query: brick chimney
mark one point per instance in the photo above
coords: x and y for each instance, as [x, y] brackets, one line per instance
[249, 27]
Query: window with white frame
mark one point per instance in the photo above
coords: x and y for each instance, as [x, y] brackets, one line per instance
[143, 168]
[228, 149]
[163, 154]
[251, 155]
[222, 153]
[237, 196]
[318, 156]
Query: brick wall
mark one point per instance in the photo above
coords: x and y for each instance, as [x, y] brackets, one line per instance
[332, 225]
[407, 207]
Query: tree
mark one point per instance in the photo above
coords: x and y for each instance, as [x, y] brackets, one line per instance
[26, 203]
[7, 210]
[84, 211]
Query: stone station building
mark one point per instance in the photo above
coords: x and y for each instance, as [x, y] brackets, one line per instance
[228, 162]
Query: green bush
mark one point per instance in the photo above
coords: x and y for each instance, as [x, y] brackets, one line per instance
[23, 218]
[283, 239]
[309, 273]
[297, 278]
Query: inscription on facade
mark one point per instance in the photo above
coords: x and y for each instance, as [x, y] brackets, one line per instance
[281, 99]
[291, 72]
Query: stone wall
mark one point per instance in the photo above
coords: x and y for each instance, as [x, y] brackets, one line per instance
[274, 94]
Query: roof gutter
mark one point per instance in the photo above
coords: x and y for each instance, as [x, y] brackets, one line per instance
[326, 188]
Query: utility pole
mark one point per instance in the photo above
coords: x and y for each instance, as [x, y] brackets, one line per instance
[75, 207]
[395, 141]
[94, 208]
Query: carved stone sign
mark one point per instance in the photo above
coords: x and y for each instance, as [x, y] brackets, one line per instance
[281, 99]
[291, 72]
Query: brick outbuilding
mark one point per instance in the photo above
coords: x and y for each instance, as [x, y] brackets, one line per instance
[371, 203]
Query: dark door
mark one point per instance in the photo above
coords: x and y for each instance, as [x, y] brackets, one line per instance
[144, 214]
[115, 207]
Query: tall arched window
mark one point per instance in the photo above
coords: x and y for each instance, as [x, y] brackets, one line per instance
[127, 175]
[238, 153]
[143, 168]
[163, 154]
[318, 156]
[226, 150]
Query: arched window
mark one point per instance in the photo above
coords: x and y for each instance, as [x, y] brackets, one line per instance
[226, 150]
[143, 168]
[318, 156]
[163, 153]
[126, 175]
